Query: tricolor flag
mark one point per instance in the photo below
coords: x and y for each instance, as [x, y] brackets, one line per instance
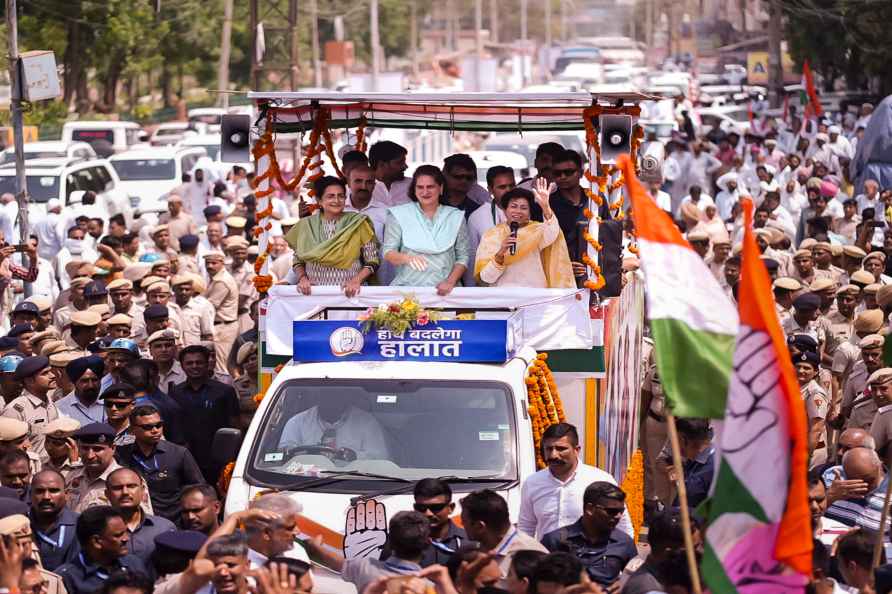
[809, 96]
[759, 537]
[692, 319]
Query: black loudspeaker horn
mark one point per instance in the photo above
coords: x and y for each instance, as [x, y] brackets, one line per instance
[615, 137]
[235, 138]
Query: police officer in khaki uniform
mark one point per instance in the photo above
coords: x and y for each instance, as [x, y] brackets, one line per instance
[840, 321]
[14, 435]
[822, 252]
[848, 353]
[816, 400]
[825, 289]
[657, 487]
[880, 383]
[246, 384]
[18, 526]
[223, 294]
[785, 289]
[857, 403]
[61, 448]
[83, 328]
[34, 406]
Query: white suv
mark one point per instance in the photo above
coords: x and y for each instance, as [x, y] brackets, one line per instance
[148, 175]
[51, 149]
[59, 178]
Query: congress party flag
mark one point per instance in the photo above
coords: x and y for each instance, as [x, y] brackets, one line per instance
[692, 320]
[759, 538]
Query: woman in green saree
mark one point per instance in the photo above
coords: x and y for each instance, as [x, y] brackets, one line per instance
[333, 247]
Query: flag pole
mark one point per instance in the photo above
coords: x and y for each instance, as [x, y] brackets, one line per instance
[884, 517]
[683, 503]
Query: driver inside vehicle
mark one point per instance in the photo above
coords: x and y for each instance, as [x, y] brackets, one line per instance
[338, 429]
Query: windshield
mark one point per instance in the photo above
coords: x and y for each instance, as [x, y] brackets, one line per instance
[406, 429]
[144, 169]
[40, 187]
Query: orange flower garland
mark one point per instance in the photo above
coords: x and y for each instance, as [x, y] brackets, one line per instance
[633, 487]
[360, 134]
[545, 406]
[225, 478]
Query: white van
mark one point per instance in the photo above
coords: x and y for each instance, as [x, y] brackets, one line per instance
[446, 400]
[106, 138]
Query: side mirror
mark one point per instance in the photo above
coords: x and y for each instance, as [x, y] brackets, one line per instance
[226, 444]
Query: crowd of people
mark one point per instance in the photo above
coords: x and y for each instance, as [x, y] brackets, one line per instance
[140, 342]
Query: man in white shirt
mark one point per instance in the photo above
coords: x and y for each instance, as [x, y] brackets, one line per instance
[871, 199]
[499, 179]
[663, 199]
[388, 160]
[361, 183]
[49, 230]
[337, 425]
[274, 537]
[552, 497]
[700, 200]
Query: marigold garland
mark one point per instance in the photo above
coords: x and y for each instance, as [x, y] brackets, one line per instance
[225, 478]
[633, 487]
[360, 134]
[545, 406]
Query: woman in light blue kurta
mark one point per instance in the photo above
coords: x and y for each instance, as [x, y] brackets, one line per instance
[427, 241]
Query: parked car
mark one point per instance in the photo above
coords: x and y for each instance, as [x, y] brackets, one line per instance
[147, 174]
[171, 133]
[52, 149]
[59, 178]
[106, 138]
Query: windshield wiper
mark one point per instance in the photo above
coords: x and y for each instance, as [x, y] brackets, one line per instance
[448, 479]
[334, 476]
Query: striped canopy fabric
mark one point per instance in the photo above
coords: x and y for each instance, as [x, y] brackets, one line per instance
[494, 112]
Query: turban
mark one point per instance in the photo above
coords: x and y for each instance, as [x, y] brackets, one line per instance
[79, 367]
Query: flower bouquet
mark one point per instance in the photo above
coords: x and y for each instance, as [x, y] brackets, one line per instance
[397, 317]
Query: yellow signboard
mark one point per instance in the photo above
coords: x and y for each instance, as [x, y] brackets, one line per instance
[757, 68]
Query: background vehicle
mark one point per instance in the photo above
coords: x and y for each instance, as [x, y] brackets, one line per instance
[106, 138]
[147, 174]
[173, 132]
[724, 118]
[52, 149]
[486, 159]
[59, 178]
[209, 116]
[527, 143]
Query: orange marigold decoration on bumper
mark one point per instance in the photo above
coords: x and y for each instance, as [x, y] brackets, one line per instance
[545, 406]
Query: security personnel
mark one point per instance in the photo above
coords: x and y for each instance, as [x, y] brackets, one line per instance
[246, 384]
[52, 522]
[14, 435]
[84, 325]
[10, 387]
[658, 489]
[223, 293]
[817, 401]
[34, 406]
[61, 448]
[880, 384]
[784, 289]
[95, 443]
[165, 466]
[806, 319]
[857, 403]
[120, 325]
[18, 526]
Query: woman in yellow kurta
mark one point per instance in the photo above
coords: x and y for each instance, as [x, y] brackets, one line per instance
[540, 257]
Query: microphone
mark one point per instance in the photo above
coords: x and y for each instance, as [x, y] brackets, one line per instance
[513, 226]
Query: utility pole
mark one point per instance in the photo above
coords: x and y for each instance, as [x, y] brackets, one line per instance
[413, 35]
[478, 42]
[775, 66]
[494, 21]
[524, 39]
[21, 183]
[376, 43]
[314, 24]
[225, 51]
[564, 20]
